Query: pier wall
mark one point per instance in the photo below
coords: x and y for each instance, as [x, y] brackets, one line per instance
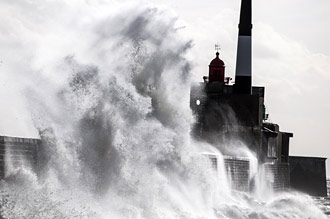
[238, 172]
[277, 175]
[308, 174]
[17, 152]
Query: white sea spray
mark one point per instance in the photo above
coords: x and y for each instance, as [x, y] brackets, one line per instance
[108, 89]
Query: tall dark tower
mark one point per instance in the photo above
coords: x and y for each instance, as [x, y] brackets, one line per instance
[243, 75]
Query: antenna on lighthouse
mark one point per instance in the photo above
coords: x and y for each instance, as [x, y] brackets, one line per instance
[217, 47]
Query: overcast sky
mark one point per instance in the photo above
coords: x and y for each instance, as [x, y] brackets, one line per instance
[291, 58]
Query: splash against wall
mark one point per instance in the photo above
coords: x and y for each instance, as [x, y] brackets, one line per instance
[108, 89]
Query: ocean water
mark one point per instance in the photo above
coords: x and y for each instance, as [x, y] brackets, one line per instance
[107, 87]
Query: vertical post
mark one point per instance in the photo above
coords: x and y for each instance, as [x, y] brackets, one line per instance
[243, 75]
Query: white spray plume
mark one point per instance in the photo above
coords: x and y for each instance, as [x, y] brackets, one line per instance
[108, 89]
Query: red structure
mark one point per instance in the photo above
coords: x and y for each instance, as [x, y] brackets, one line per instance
[217, 70]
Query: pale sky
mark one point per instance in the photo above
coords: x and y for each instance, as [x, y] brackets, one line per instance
[291, 58]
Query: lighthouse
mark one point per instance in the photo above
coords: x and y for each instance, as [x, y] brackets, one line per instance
[227, 113]
[216, 70]
[243, 76]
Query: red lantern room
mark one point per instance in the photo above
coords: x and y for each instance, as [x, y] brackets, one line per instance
[217, 70]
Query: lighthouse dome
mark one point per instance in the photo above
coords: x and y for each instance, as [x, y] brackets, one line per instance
[217, 61]
[217, 70]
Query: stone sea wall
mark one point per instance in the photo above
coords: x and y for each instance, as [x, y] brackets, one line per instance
[16, 152]
[278, 175]
[238, 170]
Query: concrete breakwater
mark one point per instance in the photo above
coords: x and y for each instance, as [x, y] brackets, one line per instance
[245, 175]
[17, 152]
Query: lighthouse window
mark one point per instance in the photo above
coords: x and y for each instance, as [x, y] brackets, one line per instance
[216, 75]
